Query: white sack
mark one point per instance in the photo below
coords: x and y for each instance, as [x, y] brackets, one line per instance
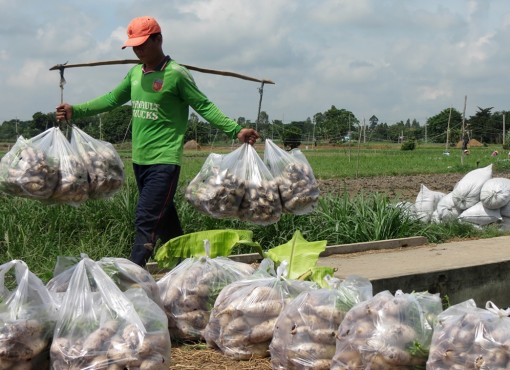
[446, 209]
[505, 224]
[505, 210]
[480, 215]
[426, 203]
[466, 192]
[495, 192]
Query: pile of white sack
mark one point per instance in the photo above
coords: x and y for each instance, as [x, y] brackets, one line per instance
[478, 198]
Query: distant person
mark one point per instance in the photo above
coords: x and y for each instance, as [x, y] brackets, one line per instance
[465, 143]
[161, 92]
[495, 153]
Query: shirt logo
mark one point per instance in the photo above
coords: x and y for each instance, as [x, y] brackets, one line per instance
[157, 85]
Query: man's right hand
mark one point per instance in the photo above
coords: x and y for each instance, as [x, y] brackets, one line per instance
[64, 112]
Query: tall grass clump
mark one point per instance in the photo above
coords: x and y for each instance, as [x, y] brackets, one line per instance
[340, 219]
[38, 233]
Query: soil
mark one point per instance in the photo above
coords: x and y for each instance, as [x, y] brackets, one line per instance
[395, 187]
[402, 188]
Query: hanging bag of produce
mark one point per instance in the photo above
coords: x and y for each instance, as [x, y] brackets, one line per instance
[216, 191]
[236, 185]
[261, 203]
[73, 185]
[26, 171]
[100, 327]
[104, 165]
[27, 318]
[294, 176]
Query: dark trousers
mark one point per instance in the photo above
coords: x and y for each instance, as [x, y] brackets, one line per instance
[156, 216]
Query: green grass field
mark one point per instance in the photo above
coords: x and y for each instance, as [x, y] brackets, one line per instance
[38, 233]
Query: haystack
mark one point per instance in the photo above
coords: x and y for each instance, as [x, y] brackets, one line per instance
[192, 144]
[471, 144]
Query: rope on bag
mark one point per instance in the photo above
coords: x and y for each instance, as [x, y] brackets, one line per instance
[61, 68]
[498, 311]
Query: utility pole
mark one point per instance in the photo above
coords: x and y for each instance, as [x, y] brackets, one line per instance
[463, 127]
[504, 114]
[364, 131]
[313, 133]
[448, 130]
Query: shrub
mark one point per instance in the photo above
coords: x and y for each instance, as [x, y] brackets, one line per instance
[408, 145]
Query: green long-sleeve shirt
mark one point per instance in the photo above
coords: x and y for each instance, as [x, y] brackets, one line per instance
[160, 102]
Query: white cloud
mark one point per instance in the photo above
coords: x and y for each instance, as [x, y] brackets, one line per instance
[394, 59]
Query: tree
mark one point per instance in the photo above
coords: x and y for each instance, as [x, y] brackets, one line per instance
[8, 130]
[373, 122]
[192, 130]
[41, 122]
[264, 128]
[482, 127]
[335, 124]
[292, 136]
[114, 124]
[437, 126]
[276, 130]
[380, 132]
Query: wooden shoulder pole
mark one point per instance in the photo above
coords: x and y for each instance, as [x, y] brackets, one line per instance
[136, 61]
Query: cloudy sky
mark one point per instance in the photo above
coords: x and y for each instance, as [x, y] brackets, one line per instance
[389, 58]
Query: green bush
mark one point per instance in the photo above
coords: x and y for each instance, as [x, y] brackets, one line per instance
[408, 145]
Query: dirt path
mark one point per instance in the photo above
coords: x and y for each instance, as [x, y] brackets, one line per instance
[199, 357]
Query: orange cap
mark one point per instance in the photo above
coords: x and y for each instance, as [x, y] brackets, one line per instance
[139, 30]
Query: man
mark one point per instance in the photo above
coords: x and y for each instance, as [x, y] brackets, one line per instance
[161, 92]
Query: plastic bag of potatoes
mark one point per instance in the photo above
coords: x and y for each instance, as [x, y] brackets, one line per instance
[101, 327]
[242, 321]
[387, 332]
[216, 191]
[305, 331]
[469, 337]
[49, 168]
[261, 203]
[26, 171]
[103, 163]
[27, 318]
[73, 184]
[294, 176]
[124, 273]
[189, 290]
[236, 185]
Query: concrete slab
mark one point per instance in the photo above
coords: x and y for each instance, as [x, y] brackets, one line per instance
[477, 269]
[387, 263]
